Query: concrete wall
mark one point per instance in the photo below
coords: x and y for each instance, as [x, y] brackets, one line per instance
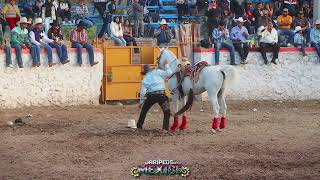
[61, 85]
[295, 78]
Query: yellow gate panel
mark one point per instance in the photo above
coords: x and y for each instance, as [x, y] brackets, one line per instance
[146, 54]
[122, 91]
[126, 73]
[117, 56]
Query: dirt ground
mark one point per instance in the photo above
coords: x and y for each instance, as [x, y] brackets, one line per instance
[263, 140]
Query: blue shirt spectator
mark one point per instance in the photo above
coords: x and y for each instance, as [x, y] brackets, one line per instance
[315, 37]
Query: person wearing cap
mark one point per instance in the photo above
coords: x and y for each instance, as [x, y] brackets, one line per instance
[315, 37]
[303, 22]
[163, 34]
[55, 34]
[284, 24]
[11, 13]
[153, 91]
[79, 40]
[268, 39]
[299, 39]
[239, 37]
[5, 41]
[38, 39]
[20, 40]
[221, 39]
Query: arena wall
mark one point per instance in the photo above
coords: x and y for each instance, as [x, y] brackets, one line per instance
[61, 85]
[295, 78]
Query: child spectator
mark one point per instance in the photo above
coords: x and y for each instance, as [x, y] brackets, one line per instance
[117, 32]
[138, 11]
[64, 10]
[299, 40]
[5, 41]
[11, 13]
[48, 14]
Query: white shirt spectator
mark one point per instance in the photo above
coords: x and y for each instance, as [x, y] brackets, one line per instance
[116, 29]
[268, 37]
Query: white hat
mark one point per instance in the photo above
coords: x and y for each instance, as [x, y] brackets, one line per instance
[163, 21]
[318, 21]
[298, 28]
[260, 29]
[240, 19]
[23, 20]
[132, 123]
[37, 21]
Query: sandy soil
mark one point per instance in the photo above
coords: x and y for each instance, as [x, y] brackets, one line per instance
[280, 140]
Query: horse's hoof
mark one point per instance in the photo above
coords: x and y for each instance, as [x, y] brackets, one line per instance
[213, 131]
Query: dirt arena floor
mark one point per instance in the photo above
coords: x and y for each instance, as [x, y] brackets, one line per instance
[263, 140]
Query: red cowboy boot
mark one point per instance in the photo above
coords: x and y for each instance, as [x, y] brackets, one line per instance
[183, 125]
[215, 123]
[175, 123]
[223, 122]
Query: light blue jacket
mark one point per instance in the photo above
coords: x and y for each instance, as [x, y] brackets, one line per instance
[315, 35]
[154, 81]
[299, 39]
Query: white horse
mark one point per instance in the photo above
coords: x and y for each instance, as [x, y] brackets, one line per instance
[213, 79]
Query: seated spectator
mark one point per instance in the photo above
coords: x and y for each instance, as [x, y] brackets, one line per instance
[20, 40]
[38, 39]
[127, 33]
[263, 21]
[303, 22]
[182, 8]
[221, 39]
[292, 6]
[284, 24]
[79, 40]
[299, 40]
[269, 9]
[48, 14]
[5, 42]
[138, 11]
[239, 36]
[117, 32]
[213, 17]
[268, 39]
[55, 34]
[82, 14]
[315, 37]
[278, 8]
[258, 14]
[163, 34]
[64, 10]
[11, 13]
[28, 7]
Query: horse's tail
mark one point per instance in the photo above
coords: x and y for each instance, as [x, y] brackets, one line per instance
[188, 104]
[230, 75]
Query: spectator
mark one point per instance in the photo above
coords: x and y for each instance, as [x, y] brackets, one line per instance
[237, 8]
[299, 40]
[263, 21]
[214, 15]
[239, 36]
[64, 10]
[163, 34]
[105, 9]
[82, 14]
[315, 38]
[138, 11]
[11, 13]
[278, 7]
[5, 42]
[284, 25]
[28, 7]
[303, 22]
[182, 9]
[20, 40]
[48, 14]
[222, 40]
[269, 9]
[37, 7]
[250, 13]
[258, 14]
[268, 39]
[79, 40]
[308, 10]
[38, 39]
[117, 32]
[127, 33]
[55, 34]
[292, 6]
[224, 5]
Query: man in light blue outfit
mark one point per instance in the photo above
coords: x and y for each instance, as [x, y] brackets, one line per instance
[239, 37]
[153, 91]
[222, 40]
[315, 37]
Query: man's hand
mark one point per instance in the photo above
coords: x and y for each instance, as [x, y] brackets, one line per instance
[28, 45]
[83, 42]
[23, 46]
[140, 106]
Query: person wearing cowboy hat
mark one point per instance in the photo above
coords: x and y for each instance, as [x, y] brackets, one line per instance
[55, 34]
[153, 91]
[163, 34]
[39, 39]
[284, 24]
[239, 36]
[20, 40]
[315, 38]
[299, 40]
[79, 40]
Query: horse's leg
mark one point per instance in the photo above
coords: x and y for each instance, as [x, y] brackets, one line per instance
[223, 108]
[183, 125]
[175, 101]
[215, 108]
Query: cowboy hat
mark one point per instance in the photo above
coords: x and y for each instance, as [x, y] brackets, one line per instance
[240, 19]
[37, 21]
[23, 20]
[163, 22]
[55, 23]
[298, 28]
[146, 69]
[318, 21]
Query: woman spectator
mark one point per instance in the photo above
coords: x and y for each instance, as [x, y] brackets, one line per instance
[127, 33]
[11, 13]
[117, 32]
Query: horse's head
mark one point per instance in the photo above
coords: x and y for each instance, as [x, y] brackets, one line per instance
[166, 54]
